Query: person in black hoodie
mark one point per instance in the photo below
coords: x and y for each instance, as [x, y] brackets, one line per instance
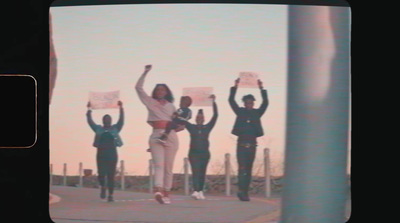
[247, 127]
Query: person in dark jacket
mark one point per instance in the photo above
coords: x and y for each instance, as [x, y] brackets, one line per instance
[199, 154]
[106, 140]
[247, 128]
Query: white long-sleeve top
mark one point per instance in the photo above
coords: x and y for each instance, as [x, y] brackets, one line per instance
[156, 111]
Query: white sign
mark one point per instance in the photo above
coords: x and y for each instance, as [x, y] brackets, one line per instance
[248, 80]
[200, 95]
[104, 100]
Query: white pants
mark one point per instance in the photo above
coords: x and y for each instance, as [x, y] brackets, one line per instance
[163, 156]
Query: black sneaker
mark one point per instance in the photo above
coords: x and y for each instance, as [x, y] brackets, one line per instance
[243, 196]
[110, 198]
[246, 196]
[103, 193]
[239, 195]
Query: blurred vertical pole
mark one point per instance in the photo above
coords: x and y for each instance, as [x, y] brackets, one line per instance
[80, 175]
[122, 175]
[65, 174]
[51, 174]
[52, 71]
[52, 61]
[186, 173]
[227, 174]
[267, 173]
[151, 178]
[318, 115]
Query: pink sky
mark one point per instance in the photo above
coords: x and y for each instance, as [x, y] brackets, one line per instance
[105, 48]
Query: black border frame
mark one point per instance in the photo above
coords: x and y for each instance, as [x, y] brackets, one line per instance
[25, 50]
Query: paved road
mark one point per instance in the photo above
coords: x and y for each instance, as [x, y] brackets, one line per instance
[71, 205]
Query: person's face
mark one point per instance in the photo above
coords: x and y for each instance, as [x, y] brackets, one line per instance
[184, 103]
[248, 103]
[107, 120]
[200, 119]
[160, 92]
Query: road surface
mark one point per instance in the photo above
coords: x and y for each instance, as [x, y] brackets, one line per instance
[72, 205]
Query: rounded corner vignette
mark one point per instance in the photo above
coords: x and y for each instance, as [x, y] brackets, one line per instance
[32, 139]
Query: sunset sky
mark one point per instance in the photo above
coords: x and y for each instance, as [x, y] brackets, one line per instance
[105, 48]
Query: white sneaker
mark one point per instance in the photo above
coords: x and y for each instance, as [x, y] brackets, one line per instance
[195, 195]
[166, 200]
[201, 195]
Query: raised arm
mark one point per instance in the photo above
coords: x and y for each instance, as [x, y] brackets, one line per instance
[232, 102]
[265, 102]
[144, 97]
[121, 119]
[89, 119]
[189, 127]
[213, 120]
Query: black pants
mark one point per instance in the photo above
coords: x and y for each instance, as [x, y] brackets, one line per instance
[245, 157]
[199, 161]
[173, 125]
[106, 165]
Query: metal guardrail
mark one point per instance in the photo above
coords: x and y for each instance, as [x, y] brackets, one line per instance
[227, 180]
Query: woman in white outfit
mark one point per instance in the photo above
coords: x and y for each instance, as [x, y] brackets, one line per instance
[160, 110]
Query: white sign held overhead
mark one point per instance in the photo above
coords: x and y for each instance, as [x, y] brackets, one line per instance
[104, 100]
[200, 95]
[248, 80]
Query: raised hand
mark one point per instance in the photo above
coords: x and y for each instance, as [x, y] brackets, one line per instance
[212, 97]
[260, 83]
[88, 105]
[120, 103]
[237, 82]
[147, 68]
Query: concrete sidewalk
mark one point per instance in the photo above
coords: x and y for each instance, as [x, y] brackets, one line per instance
[84, 205]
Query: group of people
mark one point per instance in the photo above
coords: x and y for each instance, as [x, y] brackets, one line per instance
[166, 121]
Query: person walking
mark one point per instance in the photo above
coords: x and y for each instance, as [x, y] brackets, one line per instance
[199, 154]
[247, 128]
[160, 111]
[106, 140]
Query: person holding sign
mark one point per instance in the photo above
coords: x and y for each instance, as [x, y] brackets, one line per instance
[106, 140]
[199, 154]
[247, 127]
[160, 110]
